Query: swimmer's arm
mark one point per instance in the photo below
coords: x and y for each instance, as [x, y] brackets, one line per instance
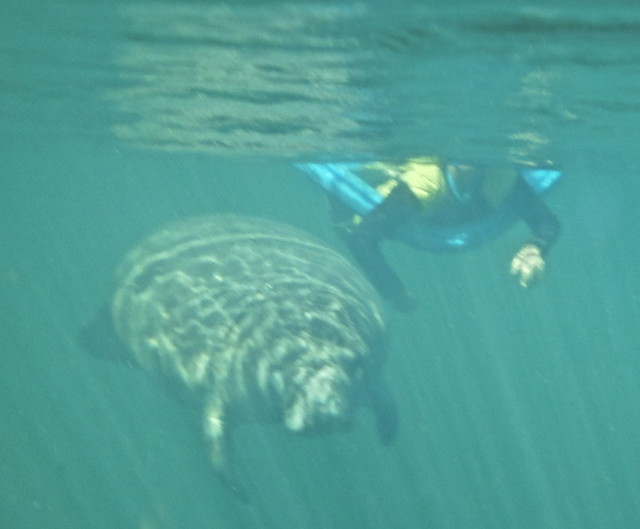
[363, 240]
[528, 264]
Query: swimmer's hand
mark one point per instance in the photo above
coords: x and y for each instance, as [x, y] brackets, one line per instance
[527, 265]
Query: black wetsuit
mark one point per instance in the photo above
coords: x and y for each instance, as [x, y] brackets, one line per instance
[402, 207]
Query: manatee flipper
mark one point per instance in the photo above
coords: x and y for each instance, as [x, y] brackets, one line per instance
[217, 436]
[384, 407]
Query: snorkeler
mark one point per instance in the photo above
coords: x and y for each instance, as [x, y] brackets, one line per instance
[433, 204]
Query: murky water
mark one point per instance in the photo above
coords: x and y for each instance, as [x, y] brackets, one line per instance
[518, 408]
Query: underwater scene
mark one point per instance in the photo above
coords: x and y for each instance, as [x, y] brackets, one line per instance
[224, 300]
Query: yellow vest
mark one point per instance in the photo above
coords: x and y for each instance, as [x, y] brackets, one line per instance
[423, 175]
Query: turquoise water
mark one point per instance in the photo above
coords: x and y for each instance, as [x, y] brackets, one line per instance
[518, 408]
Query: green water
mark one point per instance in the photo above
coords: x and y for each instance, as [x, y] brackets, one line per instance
[518, 408]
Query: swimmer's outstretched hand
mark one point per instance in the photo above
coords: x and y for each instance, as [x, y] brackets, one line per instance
[527, 265]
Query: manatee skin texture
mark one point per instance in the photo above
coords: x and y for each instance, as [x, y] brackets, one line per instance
[260, 320]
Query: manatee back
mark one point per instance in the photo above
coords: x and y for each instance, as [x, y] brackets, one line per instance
[222, 298]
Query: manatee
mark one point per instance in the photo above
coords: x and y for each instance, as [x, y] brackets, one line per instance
[259, 320]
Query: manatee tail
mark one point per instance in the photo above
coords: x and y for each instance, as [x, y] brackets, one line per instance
[384, 408]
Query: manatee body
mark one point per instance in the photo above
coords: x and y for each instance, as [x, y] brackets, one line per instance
[261, 320]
